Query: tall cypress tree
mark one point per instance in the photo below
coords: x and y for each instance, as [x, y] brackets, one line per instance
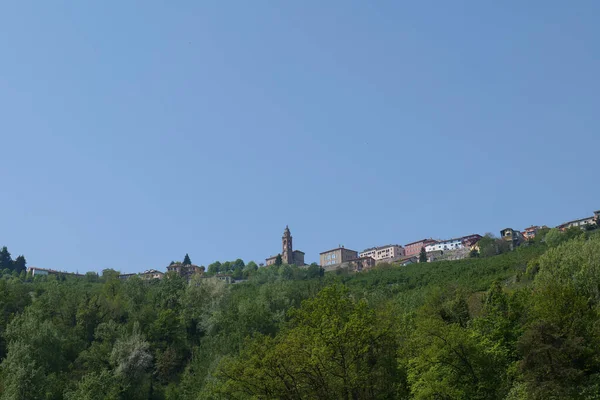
[5, 259]
[278, 260]
[186, 260]
[20, 264]
[423, 255]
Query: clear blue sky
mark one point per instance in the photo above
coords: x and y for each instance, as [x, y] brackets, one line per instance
[134, 132]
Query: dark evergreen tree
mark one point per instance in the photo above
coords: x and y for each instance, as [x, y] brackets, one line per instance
[6, 261]
[278, 260]
[20, 264]
[186, 260]
[423, 255]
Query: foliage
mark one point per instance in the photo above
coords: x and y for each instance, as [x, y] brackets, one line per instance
[423, 255]
[332, 348]
[6, 261]
[186, 260]
[518, 325]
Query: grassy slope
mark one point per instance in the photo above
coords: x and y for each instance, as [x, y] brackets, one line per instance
[410, 284]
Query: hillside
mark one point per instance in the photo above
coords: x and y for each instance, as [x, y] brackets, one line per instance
[520, 325]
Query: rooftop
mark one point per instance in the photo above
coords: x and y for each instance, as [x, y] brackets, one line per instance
[381, 247]
[337, 248]
[419, 241]
[576, 220]
[458, 238]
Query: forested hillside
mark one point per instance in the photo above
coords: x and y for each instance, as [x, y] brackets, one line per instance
[520, 325]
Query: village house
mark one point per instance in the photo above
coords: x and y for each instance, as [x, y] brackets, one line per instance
[580, 223]
[531, 232]
[513, 237]
[387, 253]
[124, 277]
[152, 274]
[453, 244]
[331, 259]
[407, 260]
[414, 248]
[185, 270]
[360, 264]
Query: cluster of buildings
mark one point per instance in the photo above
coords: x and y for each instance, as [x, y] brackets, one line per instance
[341, 257]
[146, 275]
[435, 249]
[35, 271]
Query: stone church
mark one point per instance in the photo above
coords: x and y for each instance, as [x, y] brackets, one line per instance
[288, 255]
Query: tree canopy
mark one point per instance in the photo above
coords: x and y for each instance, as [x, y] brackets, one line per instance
[516, 325]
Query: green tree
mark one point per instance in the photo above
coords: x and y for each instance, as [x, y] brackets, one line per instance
[541, 235]
[214, 268]
[20, 264]
[278, 260]
[451, 359]
[95, 386]
[423, 255]
[313, 271]
[335, 347]
[186, 260]
[109, 273]
[131, 359]
[560, 346]
[573, 232]
[554, 237]
[488, 245]
[6, 261]
[250, 268]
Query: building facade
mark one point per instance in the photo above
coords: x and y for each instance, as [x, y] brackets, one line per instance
[513, 237]
[531, 232]
[453, 244]
[337, 256]
[360, 264]
[384, 253]
[35, 271]
[414, 248]
[288, 254]
[152, 274]
[580, 223]
[407, 260]
[185, 270]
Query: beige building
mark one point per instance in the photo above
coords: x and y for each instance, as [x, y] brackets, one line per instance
[390, 252]
[361, 264]
[288, 255]
[185, 270]
[337, 256]
[152, 274]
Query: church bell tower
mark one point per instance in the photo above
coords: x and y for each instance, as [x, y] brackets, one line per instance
[287, 256]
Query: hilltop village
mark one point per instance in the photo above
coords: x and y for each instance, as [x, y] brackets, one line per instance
[423, 250]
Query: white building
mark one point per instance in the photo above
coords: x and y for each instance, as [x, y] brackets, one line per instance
[580, 223]
[452, 244]
[391, 251]
[33, 271]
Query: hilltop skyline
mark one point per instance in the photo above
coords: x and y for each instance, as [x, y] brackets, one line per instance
[134, 135]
